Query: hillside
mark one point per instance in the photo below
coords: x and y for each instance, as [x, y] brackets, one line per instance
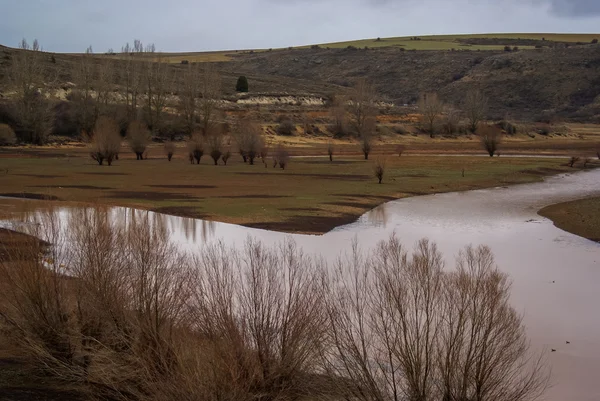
[559, 80]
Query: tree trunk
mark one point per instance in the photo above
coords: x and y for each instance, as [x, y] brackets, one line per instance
[330, 157]
[366, 156]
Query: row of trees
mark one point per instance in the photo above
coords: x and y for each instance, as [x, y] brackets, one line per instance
[139, 320]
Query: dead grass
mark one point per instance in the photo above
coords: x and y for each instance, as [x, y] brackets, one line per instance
[259, 196]
[580, 217]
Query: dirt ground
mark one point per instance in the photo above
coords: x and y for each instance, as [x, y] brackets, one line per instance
[580, 217]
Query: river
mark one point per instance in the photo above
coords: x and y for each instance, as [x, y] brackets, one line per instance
[556, 275]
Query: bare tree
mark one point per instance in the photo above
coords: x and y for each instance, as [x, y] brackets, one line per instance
[138, 137]
[598, 151]
[491, 138]
[475, 108]
[226, 155]
[249, 137]
[83, 97]
[363, 108]
[170, 149]
[573, 160]
[379, 168]
[366, 144]
[106, 141]
[330, 150]
[339, 115]
[158, 82]
[27, 77]
[211, 95]
[431, 107]
[7, 135]
[400, 149]
[189, 93]
[282, 156]
[451, 120]
[132, 76]
[196, 147]
[214, 142]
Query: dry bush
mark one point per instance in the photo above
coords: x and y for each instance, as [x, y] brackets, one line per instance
[286, 127]
[379, 168]
[138, 137]
[586, 161]
[490, 138]
[214, 142]
[339, 128]
[366, 145]
[282, 156]
[475, 108]
[226, 155]
[7, 135]
[249, 137]
[195, 147]
[402, 329]
[106, 141]
[330, 150]
[598, 151]
[400, 149]
[451, 121]
[573, 160]
[170, 149]
[363, 108]
[430, 107]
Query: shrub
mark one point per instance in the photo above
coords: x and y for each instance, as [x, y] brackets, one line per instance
[543, 129]
[248, 135]
[400, 149]
[196, 147]
[490, 138]
[170, 149]
[7, 135]
[286, 127]
[242, 84]
[282, 156]
[507, 48]
[401, 130]
[379, 168]
[594, 41]
[330, 150]
[366, 145]
[106, 141]
[185, 62]
[516, 49]
[226, 155]
[215, 147]
[573, 160]
[138, 136]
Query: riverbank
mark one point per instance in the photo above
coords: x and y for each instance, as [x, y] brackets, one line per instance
[312, 195]
[580, 217]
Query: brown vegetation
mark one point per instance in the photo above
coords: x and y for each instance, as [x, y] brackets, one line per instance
[330, 150]
[379, 169]
[431, 107]
[475, 108]
[7, 135]
[282, 156]
[490, 138]
[249, 139]
[195, 147]
[106, 141]
[170, 149]
[138, 137]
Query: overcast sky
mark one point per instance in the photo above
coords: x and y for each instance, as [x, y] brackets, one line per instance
[197, 25]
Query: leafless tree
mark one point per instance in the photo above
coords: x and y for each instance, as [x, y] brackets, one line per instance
[431, 107]
[132, 76]
[475, 108]
[491, 138]
[7, 135]
[83, 97]
[138, 137]
[189, 93]
[196, 147]
[330, 150]
[158, 83]
[363, 107]
[451, 121]
[226, 155]
[282, 156]
[170, 149]
[27, 77]
[211, 95]
[573, 160]
[339, 115]
[379, 168]
[214, 143]
[400, 149]
[366, 144]
[598, 151]
[106, 141]
[249, 138]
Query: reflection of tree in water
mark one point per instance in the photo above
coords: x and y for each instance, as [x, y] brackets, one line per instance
[188, 227]
[378, 216]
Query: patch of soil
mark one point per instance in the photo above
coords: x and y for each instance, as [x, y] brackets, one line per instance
[181, 211]
[40, 175]
[543, 171]
[362, 196]
[177, 186]
[252, 196]
[70, 186]
[351, 177]
[30, 195]
[307, 224]
[104, 173]
[154, 196]
[416, 175]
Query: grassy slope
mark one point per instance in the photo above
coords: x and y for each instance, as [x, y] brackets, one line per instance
[312, 195]
[428, 42]
[580, 217]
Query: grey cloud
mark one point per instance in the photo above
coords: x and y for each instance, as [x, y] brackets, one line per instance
[575, 8]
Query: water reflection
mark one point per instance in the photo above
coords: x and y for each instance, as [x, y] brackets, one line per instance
[377, 217]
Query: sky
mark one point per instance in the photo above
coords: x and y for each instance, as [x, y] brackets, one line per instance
[201, 25]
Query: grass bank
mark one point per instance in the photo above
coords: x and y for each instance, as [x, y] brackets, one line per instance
[312, 195]
[580, 217]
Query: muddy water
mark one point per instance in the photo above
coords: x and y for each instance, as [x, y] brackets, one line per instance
[556, 275]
